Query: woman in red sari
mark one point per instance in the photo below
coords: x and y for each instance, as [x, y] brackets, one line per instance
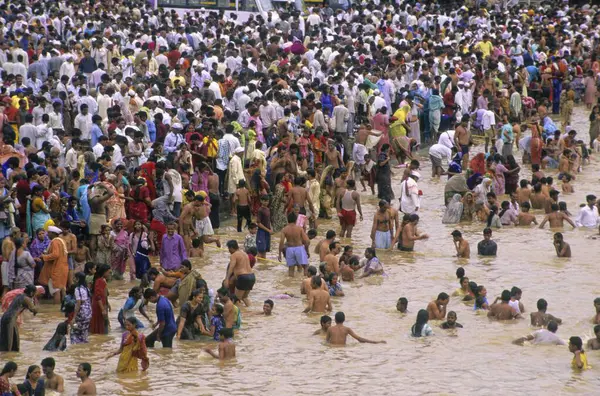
[477, 164]
[139, 201]
[100, 306]
[148, 172]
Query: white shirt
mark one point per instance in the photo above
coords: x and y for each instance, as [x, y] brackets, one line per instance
[587, 217]
[488, 120]
[409, 203]
[440, 151]
[544, 336]
[447, 139]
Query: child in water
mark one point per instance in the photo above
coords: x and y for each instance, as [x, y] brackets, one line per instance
[196, 250]
[82, 255]
[226, 348]
[325, 325]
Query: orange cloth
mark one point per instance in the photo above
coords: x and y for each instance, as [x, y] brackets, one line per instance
[56, 265]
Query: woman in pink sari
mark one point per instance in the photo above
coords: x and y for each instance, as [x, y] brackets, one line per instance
[120, 253]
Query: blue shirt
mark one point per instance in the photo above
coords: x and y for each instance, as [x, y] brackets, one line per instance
[164, 313]
[151, 130]
[96, 132]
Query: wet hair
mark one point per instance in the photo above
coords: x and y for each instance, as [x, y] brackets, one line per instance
[325, 319]
[292, 217]
[330, 234]
[371, 251]
[232, 244]
[48, 362]
[542, 304]
[460, 272]
[30, 370]
[456, 234]
[576, 341]
[403, 300]
[226, 332]
[194, 293]
[443, 296]
[311, 234]
[269, 302]
[316, 280]
[515, 291]
[149, 293]
[87, 368]
[505, 296]
[340, 317]
[312, 270]
[422, 319]
[487, 231]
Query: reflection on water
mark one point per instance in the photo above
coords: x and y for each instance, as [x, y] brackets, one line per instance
[278, 355]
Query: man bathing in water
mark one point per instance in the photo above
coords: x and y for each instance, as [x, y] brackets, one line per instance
[594, 343]
[298, 195]
[502, 310]
[381, 232]
[52, 381]
[563, 249]
[541, 318]
[437, 307]
[240, 272]
[318, 299]
[296, 250]
[524, 218]
[556, 218]
[204, 228]
[462, 246]
[98, 194]
[348, 203]
[337, 335]
[331, 260]
[187, 220]
[545, 336]
[410, 234]
[305, 286]
[322, 247]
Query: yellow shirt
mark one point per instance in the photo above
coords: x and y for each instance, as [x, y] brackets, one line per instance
[583, 358]
[213, 147]
[181, 80]
[486, 48]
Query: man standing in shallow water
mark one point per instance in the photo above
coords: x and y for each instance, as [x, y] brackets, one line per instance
[336, 335]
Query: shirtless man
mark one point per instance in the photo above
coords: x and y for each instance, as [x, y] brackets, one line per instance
[228, 311]
[56, 172]
[305, 286]
[204, 228]
[348, 202]
[322, 247]
[523, 192]
[213, 194]
[525, 218]
[437, 307]
[318, 299]
[556, 218]
[462, 139]
[298, 195]
[87, 387]
[239, 267]
[163, 279]
[52, 381]
[186, 221]
[410, 234]
[337, 335]
[333, 157]
[296, 250]
[541, 318]
[594, 343]
[226, 347]
[462, 246]
[381, 232]
[563, 249]
[331, 260]
[503, 311]
[241, 205]
[98, 194]
[325, 325]
[537, 197]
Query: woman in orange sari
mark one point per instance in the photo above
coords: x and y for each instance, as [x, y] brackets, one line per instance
[536, 144]
[133, 348]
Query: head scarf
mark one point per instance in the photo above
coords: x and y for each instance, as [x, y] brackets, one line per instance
[453, 211]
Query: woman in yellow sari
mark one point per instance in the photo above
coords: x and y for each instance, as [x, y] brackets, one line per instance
[399, 126]
[133, 348]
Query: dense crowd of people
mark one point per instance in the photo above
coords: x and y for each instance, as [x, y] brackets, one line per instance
[130, 133]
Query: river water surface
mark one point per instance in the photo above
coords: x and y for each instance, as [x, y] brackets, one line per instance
[277, 355]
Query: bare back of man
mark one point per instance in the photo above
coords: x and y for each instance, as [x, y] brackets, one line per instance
[239, 268]
[296, 249]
